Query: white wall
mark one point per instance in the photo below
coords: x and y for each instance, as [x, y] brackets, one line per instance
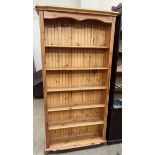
[90, 4]
[67, 3]
[99, 4]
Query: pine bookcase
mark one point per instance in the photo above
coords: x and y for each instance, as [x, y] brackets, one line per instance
[77, 47]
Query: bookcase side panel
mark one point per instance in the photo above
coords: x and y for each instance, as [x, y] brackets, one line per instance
[41, 16]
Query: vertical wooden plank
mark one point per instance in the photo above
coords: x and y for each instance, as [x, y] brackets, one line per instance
[61, 64]
[41, 16]
[56, 64]
[69, 80]
[111, 38]
[50, 40]
[99, 62]
[77, 58]
[71, 38]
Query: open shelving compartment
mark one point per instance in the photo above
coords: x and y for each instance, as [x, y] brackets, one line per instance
[76, 58]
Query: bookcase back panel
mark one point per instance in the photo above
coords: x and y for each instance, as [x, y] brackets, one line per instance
[65, 57]
[64, 134]
[76, 78]
[75, 115]
[66, 31]
[59, 99]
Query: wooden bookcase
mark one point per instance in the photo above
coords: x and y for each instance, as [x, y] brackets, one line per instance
[77, 47]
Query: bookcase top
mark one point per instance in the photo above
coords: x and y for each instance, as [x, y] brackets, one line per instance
[75, 10]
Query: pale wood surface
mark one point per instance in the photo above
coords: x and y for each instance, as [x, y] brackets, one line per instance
[82, 58]
[70, 98]
[76, 59]
[76, 68]
[61, 89]
[76, 143]
[85, 106]
[93, 47]
[74, 124]
[75, 115]
[75, 16]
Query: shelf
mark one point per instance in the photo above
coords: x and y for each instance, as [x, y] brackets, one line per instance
[94, 47]
[76, 68]
[61, 89]
[75, 143]
[74, 107]
[74, 124]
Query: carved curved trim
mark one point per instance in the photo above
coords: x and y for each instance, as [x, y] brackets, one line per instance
[78, 17]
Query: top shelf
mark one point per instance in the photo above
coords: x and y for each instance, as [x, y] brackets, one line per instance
[93, 47]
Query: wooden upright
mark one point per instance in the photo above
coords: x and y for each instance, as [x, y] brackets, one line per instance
[77, 52]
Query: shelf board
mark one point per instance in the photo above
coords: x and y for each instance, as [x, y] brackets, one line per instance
[61, 89]
[75, 143]
[60, 46]
[74, 124]
[76, 68]
[74, 107]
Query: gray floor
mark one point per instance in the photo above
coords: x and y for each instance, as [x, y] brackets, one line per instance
[38, 137]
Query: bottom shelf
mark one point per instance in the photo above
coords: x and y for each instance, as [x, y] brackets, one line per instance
[75, 143]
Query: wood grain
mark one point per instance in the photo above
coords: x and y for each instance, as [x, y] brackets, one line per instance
[76, 58]
[44, 75]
